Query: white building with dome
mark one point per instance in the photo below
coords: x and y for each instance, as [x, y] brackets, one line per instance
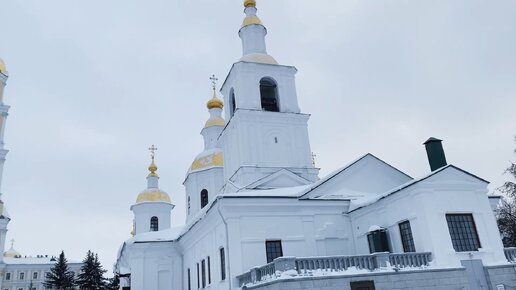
[260, 217]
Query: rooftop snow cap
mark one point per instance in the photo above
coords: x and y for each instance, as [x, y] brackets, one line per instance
[435, 153]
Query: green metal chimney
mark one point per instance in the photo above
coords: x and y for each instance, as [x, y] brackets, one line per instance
[435, 153]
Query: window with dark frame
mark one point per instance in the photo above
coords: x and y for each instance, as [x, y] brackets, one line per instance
[7, 276]
[154, 224]
[22, 276]
[189, 281]
[222, 264]
[35, 275]
[203, 273]
[463, 232]
[204, 198]
[273, 250]
[198, 277]
[209, 271]
[269, 95]
[406, 237]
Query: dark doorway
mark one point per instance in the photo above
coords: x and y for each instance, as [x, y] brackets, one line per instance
[362, 285]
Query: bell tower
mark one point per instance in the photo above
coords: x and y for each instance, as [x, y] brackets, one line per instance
[265, 141]
[4, 109]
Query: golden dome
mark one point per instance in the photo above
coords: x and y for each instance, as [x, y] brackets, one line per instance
[250, 20]
[250, 3]
[214, 122]
[153, 168]
[3, 68]
[153, 195]
[215, 103]
[259, 58]
[11, 253]
[212, 158]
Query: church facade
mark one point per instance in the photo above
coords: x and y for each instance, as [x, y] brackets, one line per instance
[260, 217]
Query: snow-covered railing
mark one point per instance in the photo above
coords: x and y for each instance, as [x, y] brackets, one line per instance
[292, 266]
[335, 263]
[410, 259]
[510, 254]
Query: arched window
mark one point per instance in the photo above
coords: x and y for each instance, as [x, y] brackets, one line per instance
[269, 95]
[204, 198]
[232, 103]
[154, 224]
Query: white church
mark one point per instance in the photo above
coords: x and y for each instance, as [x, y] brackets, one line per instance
[260, 217]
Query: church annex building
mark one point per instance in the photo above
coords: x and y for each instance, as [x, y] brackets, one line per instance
[260, 217]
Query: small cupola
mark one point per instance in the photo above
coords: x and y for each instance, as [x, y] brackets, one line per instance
[152, 210]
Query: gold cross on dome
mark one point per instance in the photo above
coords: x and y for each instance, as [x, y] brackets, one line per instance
[214, 82]
[153, 150]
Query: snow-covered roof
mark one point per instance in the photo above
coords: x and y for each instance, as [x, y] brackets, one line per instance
[277, 192]
[360, 203]
[159, 236]
[348, 193]
[33, 261]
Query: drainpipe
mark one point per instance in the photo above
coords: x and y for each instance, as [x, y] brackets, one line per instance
[226, 252]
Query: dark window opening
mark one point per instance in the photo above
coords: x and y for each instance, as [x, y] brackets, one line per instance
[463, 232]
[273, 250]
[198, 278]
[209, 271]
[203, 271]
[269, 95]
[222, 264]
[232, 103]
[188, 205]
[406, 237]
[154, 224]
[189, 282]
[204, 198]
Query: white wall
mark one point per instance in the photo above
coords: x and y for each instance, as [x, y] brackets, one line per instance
[425, 205]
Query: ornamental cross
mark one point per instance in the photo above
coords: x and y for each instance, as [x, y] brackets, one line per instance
[214, 82]
[153, 150]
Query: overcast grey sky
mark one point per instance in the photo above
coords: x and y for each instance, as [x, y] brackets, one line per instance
[94, 83]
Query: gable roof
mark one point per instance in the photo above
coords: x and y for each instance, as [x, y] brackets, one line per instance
[343, 169]
[281, 175]
[365, 203]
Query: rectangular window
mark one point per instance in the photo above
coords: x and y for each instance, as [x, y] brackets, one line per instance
[222, 264]
[189, 283]
[8, 276]
[273, 250]
[35, 275]
[22, 275]
[198, 278]
[406, 237]
[203, 271]
[463, 232]
[209, 271]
